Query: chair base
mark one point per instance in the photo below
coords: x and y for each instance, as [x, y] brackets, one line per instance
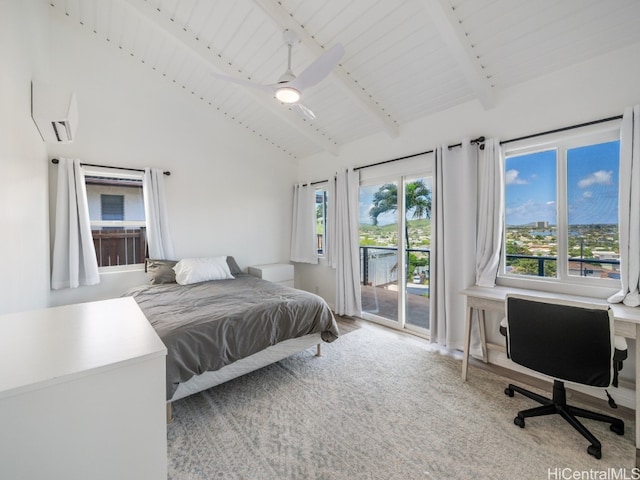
[558, 405]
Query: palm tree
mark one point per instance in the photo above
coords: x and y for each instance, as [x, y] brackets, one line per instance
[417, 201]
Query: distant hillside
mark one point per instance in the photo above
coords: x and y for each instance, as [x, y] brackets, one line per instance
[419, 234]
[422, 224]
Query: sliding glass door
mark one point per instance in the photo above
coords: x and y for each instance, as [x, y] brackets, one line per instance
[379, 266]
[395, 234]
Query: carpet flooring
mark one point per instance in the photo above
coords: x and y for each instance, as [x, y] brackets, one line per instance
[376, 407]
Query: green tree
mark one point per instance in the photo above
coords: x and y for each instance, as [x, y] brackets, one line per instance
[417, 201]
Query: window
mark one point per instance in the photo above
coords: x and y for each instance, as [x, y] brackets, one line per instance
[116, 211]
[561, 210]
[321, 219]
[112, 207]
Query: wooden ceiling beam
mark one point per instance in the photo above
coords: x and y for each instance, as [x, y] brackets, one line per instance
[441, 16]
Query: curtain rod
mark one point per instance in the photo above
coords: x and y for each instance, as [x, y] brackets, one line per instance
[563, 129]
[479, 140]
[55, 161]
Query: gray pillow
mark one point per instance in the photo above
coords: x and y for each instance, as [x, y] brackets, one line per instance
[160, 271]
[233, 266]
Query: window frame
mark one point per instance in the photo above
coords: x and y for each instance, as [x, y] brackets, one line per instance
[95, 171]
[561, 142]
[325, 195]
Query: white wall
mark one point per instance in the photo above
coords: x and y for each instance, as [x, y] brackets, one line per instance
[229, 191]
[24, 226]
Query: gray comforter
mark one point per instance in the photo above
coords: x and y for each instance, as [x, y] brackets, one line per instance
[208, 325]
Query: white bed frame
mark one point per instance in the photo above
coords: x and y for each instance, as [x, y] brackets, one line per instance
[243, 366]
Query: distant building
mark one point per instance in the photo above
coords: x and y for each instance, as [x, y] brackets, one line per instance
[544, 224]
[602, 255]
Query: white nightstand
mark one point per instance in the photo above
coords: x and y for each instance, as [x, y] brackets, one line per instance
[274, 272]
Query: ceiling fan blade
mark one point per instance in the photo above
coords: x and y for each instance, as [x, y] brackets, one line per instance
[319, 69]
[305, 111]
[243, 82]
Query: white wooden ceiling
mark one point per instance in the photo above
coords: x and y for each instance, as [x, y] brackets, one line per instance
[405, 59]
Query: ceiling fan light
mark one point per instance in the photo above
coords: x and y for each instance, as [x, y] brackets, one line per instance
[287, 94]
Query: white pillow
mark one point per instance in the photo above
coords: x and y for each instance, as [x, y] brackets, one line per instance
[195, 270]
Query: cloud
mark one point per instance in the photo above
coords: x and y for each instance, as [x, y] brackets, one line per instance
[530, 211]
[596, 178]
[587, 194]
[511, 178]
[550, 202]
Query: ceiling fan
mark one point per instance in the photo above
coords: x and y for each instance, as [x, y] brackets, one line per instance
[289, 87]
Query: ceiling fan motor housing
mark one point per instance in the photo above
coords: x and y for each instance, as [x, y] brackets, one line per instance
[290, 37]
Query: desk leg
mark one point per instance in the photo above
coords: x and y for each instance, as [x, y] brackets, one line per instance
[637, 397]
[483, 336]
[467, 343]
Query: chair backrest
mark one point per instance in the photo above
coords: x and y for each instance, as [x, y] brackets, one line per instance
[567, 340]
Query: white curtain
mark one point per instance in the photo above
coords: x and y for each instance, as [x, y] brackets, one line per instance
[346, 255]
[155, 211]
[74, 256]
[331, 239]
[454, 241]
[490, 213]
[303, 231]
[629, 209]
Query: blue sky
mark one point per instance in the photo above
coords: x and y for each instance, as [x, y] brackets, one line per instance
[366, 196]
[592, 186]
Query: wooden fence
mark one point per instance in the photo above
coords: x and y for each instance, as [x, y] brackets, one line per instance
[115, 246]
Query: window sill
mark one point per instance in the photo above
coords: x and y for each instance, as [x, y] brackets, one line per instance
[137, 267]
[580, 289]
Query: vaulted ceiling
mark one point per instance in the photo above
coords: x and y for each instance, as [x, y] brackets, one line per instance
[404, 59]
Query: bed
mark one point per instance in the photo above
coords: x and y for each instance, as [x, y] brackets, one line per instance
[219, 329]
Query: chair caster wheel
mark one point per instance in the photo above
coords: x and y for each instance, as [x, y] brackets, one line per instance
[519, 421]
[617, 428]
[509, 392]
[595, 451]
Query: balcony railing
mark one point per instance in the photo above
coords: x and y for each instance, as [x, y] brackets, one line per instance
[115, 246]
[367, 253]
[320, 243]
[580, 265]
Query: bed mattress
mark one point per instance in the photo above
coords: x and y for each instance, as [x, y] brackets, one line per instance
[206, 326]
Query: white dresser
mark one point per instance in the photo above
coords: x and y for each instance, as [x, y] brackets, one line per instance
[274, 272]
[82, 394]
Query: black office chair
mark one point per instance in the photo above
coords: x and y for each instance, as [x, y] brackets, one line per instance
[570, 342]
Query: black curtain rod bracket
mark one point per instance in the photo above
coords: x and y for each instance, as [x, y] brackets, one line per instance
[476, 141]
[55, 161]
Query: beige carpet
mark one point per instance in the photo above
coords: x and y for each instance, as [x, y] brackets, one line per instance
[376, 407]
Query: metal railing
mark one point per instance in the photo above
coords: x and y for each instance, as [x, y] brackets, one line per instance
[366, 256]
[116, 246]
[581, 263]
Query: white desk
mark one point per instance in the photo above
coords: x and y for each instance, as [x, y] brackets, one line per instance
[82, 393]
[627, 324]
